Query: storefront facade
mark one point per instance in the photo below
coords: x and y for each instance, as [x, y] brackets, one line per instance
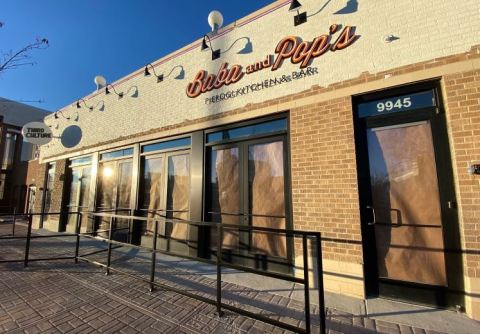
[363, 132]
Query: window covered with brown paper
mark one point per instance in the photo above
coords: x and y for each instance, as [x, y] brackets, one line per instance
[168, 195]
[267, 196]
[178, 193]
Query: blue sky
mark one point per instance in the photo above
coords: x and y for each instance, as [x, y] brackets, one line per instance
[90, 37]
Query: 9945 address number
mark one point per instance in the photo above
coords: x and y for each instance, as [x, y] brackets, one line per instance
[394, 104]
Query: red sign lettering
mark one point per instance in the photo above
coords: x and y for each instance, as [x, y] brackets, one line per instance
[225, 76]
[290, 47]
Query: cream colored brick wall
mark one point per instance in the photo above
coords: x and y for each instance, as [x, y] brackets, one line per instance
[426, 29]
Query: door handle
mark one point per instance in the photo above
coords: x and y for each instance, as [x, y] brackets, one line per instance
[374, 215]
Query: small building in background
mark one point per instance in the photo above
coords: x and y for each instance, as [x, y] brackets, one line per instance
[15, 154]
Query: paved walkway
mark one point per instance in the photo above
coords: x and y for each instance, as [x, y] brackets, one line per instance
[63, 297]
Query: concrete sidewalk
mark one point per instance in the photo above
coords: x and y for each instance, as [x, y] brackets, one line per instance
[60, 296]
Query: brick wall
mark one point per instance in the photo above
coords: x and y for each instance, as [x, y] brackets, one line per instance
[325, 197]
[33, 170]
[39, 182]
[463, 112]
[59, 186]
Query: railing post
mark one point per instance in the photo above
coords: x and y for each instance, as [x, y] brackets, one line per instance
[14, 219]
[109, 253]
[77, 232]
[27, 245]
[306, 283]
[219, 268]
[321, 296]
[154, 255]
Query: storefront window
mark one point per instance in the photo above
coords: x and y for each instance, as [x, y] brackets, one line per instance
[81, 161]
[167, 145]
[270, 127]
[116, 154]
[79, 189]
[114, 192]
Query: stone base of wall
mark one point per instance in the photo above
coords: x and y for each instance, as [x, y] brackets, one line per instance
[51, 224]
[70, 228]
[472, 298]
[345, 278]
[35, 222]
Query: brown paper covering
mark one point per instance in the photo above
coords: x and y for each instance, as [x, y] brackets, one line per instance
[178, 193]
[405, 194]
[227, 173]
[267, 193]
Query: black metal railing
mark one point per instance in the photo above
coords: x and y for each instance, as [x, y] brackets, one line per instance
[305, 236]
[13, 216]
[29, 217]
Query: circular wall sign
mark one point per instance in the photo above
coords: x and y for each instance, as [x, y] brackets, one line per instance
[71, 136]
[37, 133]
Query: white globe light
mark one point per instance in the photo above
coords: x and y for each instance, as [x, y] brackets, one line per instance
[215, 20]
[100, 81]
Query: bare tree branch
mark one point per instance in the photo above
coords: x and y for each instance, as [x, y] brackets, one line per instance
[13, 60]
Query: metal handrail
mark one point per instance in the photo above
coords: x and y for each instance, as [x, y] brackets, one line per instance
[212, 224]
[14, 214]
[219, 262]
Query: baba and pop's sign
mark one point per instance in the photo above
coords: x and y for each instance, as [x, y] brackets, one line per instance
[290, 47]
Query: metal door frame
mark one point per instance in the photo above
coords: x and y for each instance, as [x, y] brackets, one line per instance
[164, 155]
[450, 296]
[242, 143]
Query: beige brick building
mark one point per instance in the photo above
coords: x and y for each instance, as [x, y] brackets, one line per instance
[369, 143]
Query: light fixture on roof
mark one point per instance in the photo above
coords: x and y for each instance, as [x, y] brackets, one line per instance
[300, 17]
[160, 77]
[107, 91]
[147, 72]
[100, 81]
[85, 103]
[61, 113]
[205, 47]
[215, 20]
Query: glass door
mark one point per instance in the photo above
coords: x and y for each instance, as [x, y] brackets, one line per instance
[226, 200]
[406, 203]
[266, 196]
[247, 186]
[407, 200]
[79, 196]
[165, 193]
[114, 191]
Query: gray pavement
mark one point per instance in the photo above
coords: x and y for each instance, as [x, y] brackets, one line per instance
[64, 297]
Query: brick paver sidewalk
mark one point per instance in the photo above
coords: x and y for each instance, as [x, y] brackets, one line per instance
[63, 297]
